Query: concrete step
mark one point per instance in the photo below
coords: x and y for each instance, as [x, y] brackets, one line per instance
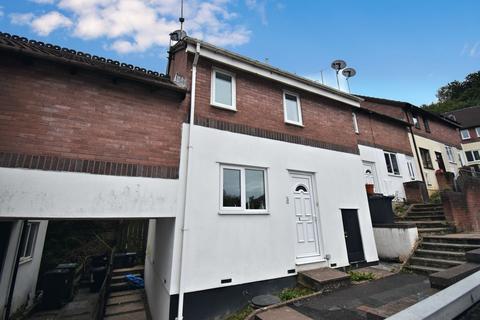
[434, 231]
[323, 279]
[422, 224]
[424, 213]
[452, 240]
[455, 247]
[443, 279]
[423, 269]
[121, 286]
[427, 205]
[446, 255]
[439, 217]
[124, 308]
[121, 278]
[125, 271]
[281, 313]
[434, 262]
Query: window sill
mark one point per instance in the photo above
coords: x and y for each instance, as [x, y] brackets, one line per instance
[223, 107]
[428, 168]
[25, 260]
[297, 124]
[395, 175]
[244, 213]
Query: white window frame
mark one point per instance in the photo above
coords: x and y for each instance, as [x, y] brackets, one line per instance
[355, 123]
[477, 131]
[243, 201]
[299, 108]
[411, 169]
[25, 256]
[399, 174]
[214, 103]
[473, 155]
[467, 136]
[450, 155]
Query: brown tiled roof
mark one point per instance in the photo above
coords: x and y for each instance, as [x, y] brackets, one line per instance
[468, 117]
[58, 54]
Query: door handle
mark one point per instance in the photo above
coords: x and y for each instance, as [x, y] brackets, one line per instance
[345, 234]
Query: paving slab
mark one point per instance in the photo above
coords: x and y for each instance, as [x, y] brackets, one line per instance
[343, 303]
[325, 275]
[377, 272]
[125, 293]
[282, 313]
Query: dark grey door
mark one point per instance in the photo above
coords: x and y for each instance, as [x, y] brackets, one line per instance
[5, 229]
[353, 237]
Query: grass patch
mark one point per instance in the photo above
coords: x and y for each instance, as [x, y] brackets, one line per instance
[241, 314]
[361, 276]
[435, 198]
[292, 293]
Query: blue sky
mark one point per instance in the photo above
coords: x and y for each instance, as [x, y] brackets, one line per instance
[402, 50]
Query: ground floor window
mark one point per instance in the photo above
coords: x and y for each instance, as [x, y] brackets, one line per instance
[472, 155]
[426, 159]
[243, 189]
[392, 163]
[29, 237]
[411, 169]
[450, 156]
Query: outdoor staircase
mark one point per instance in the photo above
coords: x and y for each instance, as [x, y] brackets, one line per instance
[125, 301]
[429, 219]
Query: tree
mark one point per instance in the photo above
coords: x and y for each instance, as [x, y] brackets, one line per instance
[457, 95]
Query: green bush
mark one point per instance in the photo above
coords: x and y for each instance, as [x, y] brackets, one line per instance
[435, 198]
[292, 293]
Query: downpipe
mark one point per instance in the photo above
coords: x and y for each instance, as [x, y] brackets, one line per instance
[181, 290]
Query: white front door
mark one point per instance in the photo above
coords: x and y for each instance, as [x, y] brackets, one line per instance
[370, 173]
[307, 246]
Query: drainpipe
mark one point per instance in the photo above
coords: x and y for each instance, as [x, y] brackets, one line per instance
[183, 249]
[416, 149]
[13, 280]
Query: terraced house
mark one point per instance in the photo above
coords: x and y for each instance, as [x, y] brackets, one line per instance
[248, 174]
[469, 119]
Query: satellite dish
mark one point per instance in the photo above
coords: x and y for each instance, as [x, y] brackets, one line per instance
[338, 65]
[349, 72]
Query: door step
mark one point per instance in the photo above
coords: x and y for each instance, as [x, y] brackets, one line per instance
[323, 279]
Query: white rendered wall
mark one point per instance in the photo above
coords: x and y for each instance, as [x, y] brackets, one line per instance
[389, 184]
[158, 266]
[248, 248]
[48, 194]
[26, 281]
[395, 243]
[27, 273]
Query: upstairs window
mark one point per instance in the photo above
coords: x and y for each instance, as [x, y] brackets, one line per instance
[243, 190]
[450, 155]
[472, 155]
[477, 130]
[292, 109]
[392, 163]
[426, 124]
[426, 159]
[223, 90]
[416, 123]
[465, 134]
[29, 237]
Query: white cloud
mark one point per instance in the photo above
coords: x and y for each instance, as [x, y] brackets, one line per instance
[1, 12]
[43, 1]
[471, 50]
[138, 25]
[47, 23]
[474, 50]
[21, 18]
[260, 6]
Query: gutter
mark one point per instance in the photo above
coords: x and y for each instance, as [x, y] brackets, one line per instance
[183, 249]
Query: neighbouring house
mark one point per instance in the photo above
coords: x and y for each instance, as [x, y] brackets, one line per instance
[469, 119]
[21, 247]
[385, 151]
[82, 137]
[434, 139]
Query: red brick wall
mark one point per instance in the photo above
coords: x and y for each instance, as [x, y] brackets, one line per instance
[380, 133]
[260, 105]
[439, 131]
[47, 110]
[386, 109]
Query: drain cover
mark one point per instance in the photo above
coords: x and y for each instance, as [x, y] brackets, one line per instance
[264, 300]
